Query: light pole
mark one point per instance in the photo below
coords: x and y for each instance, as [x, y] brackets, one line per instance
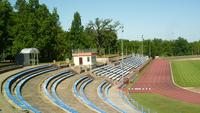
[142, 45]
[149, 48]
[122, 53]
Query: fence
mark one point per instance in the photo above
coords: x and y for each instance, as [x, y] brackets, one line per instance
[84, 50]
[134, 104]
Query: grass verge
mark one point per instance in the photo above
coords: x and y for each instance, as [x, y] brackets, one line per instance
[186, 73]
[162, 104]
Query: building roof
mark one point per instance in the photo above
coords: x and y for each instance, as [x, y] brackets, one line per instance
[29, 50]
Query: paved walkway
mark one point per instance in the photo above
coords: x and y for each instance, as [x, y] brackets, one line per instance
[118, 101]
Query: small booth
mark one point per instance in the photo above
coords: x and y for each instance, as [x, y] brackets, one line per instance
[28, 56]
[84, 58]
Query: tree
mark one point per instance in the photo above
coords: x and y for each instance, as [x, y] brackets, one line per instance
[167, 48]
[6, 22]
[37, 27]
[110, 43]
[76, 32]
[20, 31]
[101, 28]
[181, 47]
[156, 47]
[194, 48]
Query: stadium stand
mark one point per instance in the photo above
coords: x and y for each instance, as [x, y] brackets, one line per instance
[52, 95]
[105, 86]
[21, 78]
[121, 70]
[79, 93]
[7, 68]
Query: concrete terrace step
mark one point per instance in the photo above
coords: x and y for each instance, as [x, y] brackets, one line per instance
[52, 94]
[66, 94]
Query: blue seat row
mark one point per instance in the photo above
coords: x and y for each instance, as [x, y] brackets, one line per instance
[53, 95]
[9, 68]
[19, 87]
[81, 95]
[85, 99]
[104, 98]
[121, 70]
[12, 79]
[125, 98]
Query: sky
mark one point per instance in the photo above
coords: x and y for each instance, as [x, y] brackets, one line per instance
[166, 19]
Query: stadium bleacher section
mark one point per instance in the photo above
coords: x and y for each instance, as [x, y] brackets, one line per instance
[121, 70]
[79, 93]
[22, 77]
[14, 84]
[52, 95]
[7, 68]
[105, 86]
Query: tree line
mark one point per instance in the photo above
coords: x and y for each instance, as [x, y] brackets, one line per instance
[31, 24]
[160, 47]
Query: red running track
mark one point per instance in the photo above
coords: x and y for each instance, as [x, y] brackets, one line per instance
[157, 79]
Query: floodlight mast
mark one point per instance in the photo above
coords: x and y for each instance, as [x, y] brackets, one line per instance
[149, 48]
[142, 45]
[122, 52]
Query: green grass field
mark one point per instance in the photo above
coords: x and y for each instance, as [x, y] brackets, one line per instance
[161, 104]
[186, 73]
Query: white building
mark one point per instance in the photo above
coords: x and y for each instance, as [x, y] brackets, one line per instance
[84, 59]
[28, 56]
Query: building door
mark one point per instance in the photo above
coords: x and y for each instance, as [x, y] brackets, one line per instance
[80, 60]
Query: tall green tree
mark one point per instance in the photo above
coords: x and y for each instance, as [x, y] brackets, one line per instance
[6, 23]
[76, 32]
[22, 36]
[181, 46]
[37, 27]
[102, 28]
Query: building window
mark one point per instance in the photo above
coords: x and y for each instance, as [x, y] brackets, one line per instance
[88, 59]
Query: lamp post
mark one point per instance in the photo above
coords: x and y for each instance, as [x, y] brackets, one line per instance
[142, 45]
[149, 48]
[122, 53]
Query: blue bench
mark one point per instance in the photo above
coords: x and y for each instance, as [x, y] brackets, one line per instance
[85, 99]
[54, 97]
[105, 99]
[19, 87]
[12, 79]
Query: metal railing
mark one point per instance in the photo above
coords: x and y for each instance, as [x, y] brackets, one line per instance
[134, 104]
[84, 50]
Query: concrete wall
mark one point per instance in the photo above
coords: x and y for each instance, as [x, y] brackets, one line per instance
[87, 60]
[103, 60]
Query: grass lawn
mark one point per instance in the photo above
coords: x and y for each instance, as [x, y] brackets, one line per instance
[161, 104]
[186, 73]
